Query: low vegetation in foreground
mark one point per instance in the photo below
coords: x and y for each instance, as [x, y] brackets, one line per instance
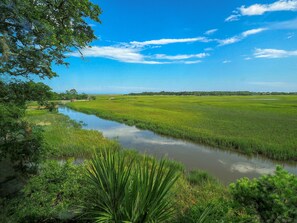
[117, 185]
[265, 125]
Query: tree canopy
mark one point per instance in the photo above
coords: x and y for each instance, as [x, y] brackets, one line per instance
[34, 34]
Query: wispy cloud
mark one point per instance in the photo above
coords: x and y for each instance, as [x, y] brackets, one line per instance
[192, 61]
[252, 32]
[211, 31]
[128, 55]
[273, 53]
[232, 18]
[285, 25]
[290, 35]
[169, 41]
[226, 61]
[134, 55]
[241, 36]
[260, 9]
[230, 40]
[180, 56]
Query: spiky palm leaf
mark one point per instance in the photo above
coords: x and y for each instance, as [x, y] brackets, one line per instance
[125, 190]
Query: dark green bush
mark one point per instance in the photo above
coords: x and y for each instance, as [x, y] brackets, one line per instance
[52, 196]
[272, 197]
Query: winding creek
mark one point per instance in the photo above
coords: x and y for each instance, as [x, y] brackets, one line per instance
[225, 165]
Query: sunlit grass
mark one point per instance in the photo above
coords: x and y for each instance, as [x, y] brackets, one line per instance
[66, 138]
[265, 125]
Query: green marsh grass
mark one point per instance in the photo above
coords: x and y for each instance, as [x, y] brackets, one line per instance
[258, 125]
[66, 138]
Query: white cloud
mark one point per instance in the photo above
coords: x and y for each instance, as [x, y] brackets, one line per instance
[180, 56]
[230, 40]
[122, 54]
[260, 9]
[247, 58]
[133, 55]
[192, 62]
[169, 41]
[253, 32]
[273, 53]
[232, 18]
[240, 37]
[211, 31]
[227, 61]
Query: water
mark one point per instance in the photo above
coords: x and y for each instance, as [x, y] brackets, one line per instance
[225, 165]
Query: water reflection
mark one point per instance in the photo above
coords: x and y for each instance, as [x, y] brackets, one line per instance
[225, 165]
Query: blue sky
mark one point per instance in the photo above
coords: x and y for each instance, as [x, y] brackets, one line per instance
[187, 45]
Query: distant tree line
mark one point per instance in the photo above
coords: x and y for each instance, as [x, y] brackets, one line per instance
[71, 95]
[214, 93]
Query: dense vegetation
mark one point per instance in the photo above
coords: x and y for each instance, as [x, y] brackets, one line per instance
[214, 93]
[63, 191]
[33, 36]
[265, 125]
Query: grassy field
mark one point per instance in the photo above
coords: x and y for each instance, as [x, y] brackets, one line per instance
[66, 138]
[265, 125]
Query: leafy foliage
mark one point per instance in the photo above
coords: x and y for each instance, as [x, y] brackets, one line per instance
[51, 196]
[272, 197]
[69, 95]
[21, 142]
[124, 190]
[19, 92]
[37, 33]
[34, 34]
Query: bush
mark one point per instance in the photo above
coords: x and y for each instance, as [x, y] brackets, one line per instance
[21, 142]
[52, 196]
[272, 197]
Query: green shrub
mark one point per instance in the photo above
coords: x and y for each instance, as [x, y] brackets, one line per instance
[126, 190]
[272, 197]
[52, 196]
